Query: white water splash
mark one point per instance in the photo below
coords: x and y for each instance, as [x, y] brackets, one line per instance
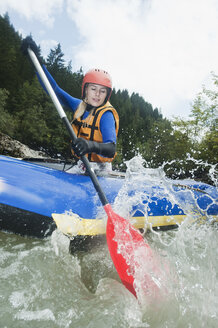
[156, 184]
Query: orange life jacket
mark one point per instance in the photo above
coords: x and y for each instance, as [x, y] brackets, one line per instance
[89, 129]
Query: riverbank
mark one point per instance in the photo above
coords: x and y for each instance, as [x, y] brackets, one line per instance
[14, 148]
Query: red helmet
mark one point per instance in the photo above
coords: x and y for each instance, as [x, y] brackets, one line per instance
[97, 76]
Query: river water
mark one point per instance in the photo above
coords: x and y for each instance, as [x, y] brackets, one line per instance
[43, 285]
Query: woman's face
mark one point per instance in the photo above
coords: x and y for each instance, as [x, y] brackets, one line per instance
[95, 94]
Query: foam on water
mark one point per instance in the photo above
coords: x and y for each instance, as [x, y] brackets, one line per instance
[192, 252]
[43, 285]
[178, 253]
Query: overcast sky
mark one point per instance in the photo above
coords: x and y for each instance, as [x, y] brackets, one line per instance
[165, 50]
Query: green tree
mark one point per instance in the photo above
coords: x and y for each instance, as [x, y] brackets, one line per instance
[55, 60]
[62, 72]
[207, 113]
[6, 123]
[201, 152]
[201, 128]
[14, 67]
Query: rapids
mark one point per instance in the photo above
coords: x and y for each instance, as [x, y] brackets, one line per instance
[43, 285]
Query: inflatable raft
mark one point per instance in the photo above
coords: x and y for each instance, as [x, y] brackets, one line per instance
[31, 194]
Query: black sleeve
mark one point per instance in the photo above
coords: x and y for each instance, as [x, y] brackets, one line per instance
[104, 149]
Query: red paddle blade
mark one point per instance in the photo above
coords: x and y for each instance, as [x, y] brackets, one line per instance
[132, 257]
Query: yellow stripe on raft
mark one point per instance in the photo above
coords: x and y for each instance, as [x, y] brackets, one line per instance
[72, 225]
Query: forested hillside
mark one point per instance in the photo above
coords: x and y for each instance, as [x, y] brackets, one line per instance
[28, 115]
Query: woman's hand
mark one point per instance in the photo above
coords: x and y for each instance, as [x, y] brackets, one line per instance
[29, 43]
[82, 147]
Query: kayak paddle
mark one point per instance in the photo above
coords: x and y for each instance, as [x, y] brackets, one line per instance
[124, 241]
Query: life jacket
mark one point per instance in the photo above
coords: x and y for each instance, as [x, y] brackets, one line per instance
[89, 129]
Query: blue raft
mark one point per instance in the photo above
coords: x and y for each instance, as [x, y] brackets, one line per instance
[30, 193]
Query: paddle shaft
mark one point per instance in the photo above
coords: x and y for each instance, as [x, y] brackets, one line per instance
[66, 122]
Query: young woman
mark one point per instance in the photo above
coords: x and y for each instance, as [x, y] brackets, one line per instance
[95, 121]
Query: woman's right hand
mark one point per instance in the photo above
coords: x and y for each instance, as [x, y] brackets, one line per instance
[29, 43]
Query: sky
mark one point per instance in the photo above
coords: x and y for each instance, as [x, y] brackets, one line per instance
[164, 50]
